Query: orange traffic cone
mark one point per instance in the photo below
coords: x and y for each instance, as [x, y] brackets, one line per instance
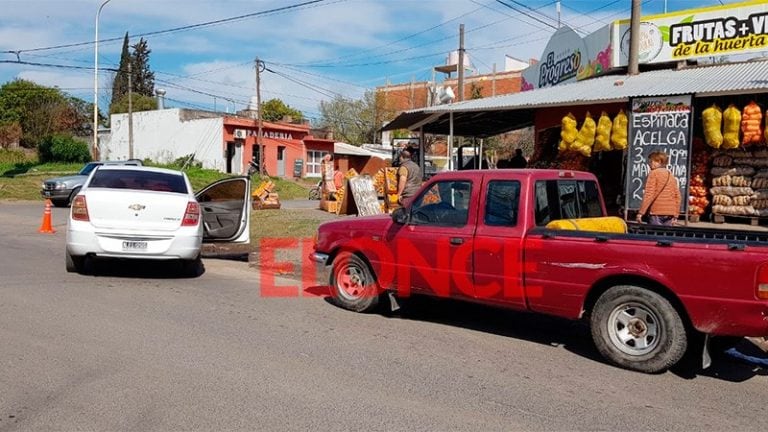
[46, 227]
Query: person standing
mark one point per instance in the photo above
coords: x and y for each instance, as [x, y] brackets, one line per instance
[661, 198]
[408, 178]
[518, 161]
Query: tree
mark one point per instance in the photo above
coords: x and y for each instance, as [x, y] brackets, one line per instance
[120, 82]
[33, 107]
[140, 102]
[10, 134]
[143, 78]
[355, 121]
[275, 109]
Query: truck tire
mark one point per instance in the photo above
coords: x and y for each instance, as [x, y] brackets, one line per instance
[75, 264]
[638, 329]
[60, 203]
[353, 286]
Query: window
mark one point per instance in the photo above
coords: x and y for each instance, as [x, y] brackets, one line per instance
[229, 191]
[446, 203]
[139, 180]
[314, 157]
[556, 199]
[501, 203]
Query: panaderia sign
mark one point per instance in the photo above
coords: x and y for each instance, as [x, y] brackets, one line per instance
[738, 28]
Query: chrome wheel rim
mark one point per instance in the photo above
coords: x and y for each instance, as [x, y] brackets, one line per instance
[634, 328]
[351, 282]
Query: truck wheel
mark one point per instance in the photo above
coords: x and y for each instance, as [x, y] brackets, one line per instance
[353, 286]
[638, 329]
[59, 203]
[75, 264]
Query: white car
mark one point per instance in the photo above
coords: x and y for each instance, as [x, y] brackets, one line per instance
[152, 213]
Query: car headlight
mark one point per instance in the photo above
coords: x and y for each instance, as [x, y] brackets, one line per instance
[61, 186]
[42, 185]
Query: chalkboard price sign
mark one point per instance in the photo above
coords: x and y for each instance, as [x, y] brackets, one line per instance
[658, 124]
[364, 193]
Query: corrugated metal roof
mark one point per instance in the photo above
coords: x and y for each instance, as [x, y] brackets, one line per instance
[701, 81]
[351, 150]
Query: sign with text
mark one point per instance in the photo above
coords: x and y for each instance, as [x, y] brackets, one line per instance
[364, 192]
[715, 31]
[658, 124]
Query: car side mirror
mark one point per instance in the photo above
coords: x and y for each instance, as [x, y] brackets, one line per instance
[400, 216]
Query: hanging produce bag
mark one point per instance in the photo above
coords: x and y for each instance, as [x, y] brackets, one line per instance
[751, 125]
[713, 124]
[586, 137]
[731, 125]
[568, 132]
[603, 136]
[619, 131]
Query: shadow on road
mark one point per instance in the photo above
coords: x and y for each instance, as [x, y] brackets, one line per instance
[140, 269]
[573, 336]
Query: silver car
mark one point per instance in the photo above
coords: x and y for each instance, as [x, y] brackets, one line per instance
[62, 190]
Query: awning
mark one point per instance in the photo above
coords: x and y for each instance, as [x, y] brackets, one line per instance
[495, 115]
[351, 150]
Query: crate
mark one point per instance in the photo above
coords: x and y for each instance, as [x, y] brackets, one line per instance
[752, 220]
[330, 206]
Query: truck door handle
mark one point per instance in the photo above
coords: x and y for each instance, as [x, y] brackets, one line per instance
[457, 240]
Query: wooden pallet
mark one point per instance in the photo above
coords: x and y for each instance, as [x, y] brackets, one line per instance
[753, 220]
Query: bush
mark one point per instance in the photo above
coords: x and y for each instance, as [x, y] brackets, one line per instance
[13, 156]
[63, 148]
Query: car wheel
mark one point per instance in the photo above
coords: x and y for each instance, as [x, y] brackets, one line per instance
[353, 286]
[72, 196]
[638, 329]
[314, 194]
[193, 268]
[75, 264]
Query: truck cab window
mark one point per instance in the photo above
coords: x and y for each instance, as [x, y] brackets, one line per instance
[446, 203]
[502, 203]
[566, 199]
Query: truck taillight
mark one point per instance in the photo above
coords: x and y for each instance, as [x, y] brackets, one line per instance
[80, 209]
[762, 282]
[191, 215]
[566, 174]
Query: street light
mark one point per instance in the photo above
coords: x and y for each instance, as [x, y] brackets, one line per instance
[96, 82]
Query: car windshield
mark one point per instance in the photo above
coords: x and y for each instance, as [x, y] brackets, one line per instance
[139, 180]
[88, 168]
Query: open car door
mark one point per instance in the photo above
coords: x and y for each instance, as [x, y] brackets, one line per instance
[226, 210]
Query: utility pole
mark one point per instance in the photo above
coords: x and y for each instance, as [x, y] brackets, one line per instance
[259, 65]
[130, 110]
[461, 62]
[633, 67]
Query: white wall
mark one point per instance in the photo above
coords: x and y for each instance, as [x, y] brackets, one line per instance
[162, 136]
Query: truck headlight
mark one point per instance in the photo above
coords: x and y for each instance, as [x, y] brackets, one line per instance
[61, 186]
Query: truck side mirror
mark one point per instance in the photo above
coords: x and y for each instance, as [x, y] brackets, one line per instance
[400, 216]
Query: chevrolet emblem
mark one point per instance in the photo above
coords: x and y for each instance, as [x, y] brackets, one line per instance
[137, 207]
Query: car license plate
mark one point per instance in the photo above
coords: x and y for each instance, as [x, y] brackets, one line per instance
[134, 245]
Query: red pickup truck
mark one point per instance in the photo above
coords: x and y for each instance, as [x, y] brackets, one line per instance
[497, 237]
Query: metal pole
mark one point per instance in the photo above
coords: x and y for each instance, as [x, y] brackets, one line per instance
[633, 67]
[460, 66]
[95, 148]
[259, 64]
[130, 110]
[450, 141]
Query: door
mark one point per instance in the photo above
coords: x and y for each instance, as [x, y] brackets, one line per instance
[237, 158]
[226, 210]
[433, 251]
[230, 154]
[281, 161]
[498, 252]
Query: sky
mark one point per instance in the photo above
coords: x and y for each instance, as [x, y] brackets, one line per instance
[312, 50]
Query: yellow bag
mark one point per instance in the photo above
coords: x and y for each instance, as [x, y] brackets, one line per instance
[712, 118]
[732, 117]
[603, 136]
[609, 224]
[619, 131]
[567, 132]
[586, 137]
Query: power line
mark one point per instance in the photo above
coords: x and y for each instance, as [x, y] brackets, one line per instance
[182, 28]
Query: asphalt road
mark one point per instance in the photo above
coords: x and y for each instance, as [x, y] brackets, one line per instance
[137, 348]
